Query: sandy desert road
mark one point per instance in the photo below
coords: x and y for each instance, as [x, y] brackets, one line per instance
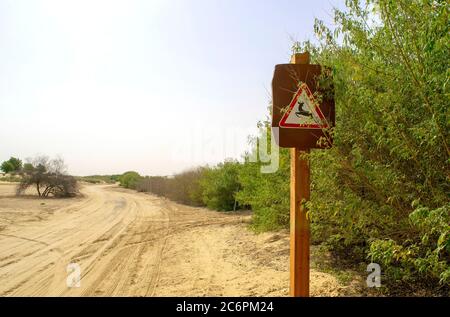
[135, 244]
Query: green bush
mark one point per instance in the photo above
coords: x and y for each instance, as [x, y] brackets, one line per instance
[129, 179]
[266, 194]
[98, 179]
[219, 186]
[391, 143]
[11, 165]
[426, 254]
[214, 187]
[7, 167]
[12, 179]
[183, 187]
[28, 168]
[391, 149]
[195, 192]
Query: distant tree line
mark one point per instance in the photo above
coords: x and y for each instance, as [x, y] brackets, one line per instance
[213, 187]
[99, 179]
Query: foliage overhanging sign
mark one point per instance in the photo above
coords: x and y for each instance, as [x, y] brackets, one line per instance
[303, 106]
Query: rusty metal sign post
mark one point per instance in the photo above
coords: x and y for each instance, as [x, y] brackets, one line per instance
[303, 110]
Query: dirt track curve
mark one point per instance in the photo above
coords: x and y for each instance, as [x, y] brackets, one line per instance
[134, 244]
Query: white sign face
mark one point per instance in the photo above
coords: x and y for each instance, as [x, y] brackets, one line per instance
[303, 112]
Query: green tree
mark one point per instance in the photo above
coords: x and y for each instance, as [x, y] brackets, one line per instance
[129, 179]
[7, 167]
[195, 191]
[219, 186]
[28, 167]
[266, 194]
[11, 165]
[16, 163]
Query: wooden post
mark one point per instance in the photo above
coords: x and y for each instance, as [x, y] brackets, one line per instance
[300, 232]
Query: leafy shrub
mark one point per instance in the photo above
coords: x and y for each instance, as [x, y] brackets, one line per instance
[390, 62]
[129, 179]
[214, 187]
[183, 187]
[7, 167]
[427, 255]
[12, 179]
[266, 194]
[219, 186]
[11, 165]
[98, 179]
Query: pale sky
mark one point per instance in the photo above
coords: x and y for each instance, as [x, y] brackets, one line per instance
[151, 86]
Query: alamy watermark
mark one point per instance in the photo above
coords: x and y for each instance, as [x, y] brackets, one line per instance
[262, 154]
[74, 277]
[203, 144]
[374, 278]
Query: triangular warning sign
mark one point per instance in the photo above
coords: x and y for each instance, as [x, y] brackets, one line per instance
[303, 112]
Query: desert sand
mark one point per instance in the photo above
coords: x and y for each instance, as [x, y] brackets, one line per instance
[135, 244]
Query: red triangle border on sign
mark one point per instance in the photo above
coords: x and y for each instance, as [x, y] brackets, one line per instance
[283, 123]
